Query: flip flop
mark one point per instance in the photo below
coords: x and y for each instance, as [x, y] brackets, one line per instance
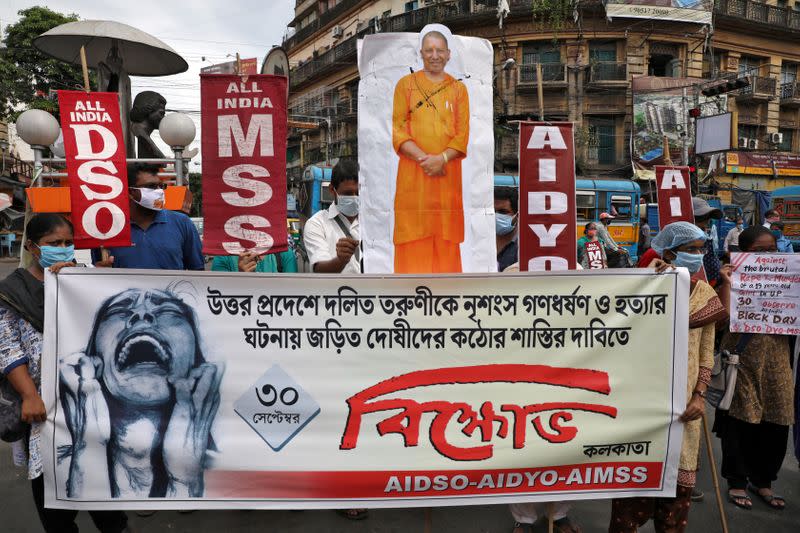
[565, 525]
[736, 500]
[526, 528]
[768, 498]
[353, 514]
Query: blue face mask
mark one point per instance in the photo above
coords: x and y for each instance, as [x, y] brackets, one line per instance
[691, 262]
[56, 254]
[503, 224]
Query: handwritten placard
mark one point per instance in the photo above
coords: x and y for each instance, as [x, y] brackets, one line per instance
[765, 295]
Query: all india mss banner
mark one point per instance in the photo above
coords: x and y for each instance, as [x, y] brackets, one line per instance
[171, 390]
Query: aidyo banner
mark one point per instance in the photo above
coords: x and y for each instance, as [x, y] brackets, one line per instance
[209, 390]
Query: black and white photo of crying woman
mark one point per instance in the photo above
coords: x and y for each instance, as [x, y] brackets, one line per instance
[139, 401]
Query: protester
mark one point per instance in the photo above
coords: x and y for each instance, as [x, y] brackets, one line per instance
[251, 262]
[162, 239]
[331, 236]
[644, 234]
[731, 243]
[770, 217]
[703, 215]
[331, 239]
[590, 235]
[49, 241]
[680, 244]
[618, 256]
[755, 430]
[784, 244]
[505, 213]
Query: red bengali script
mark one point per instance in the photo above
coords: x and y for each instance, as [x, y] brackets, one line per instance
[551, 427]
[604, 477]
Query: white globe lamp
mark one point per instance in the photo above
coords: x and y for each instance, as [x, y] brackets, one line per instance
[177, 130]
[38, 128]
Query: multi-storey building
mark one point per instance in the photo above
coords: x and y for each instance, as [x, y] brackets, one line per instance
[586, 71]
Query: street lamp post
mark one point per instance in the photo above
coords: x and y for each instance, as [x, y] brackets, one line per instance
[3, 148]
[178, 131]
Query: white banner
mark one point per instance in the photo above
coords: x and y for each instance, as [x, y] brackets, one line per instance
[765, 291]
[385, 61]
[208, 390]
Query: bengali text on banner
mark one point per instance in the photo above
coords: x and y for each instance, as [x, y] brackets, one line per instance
[361, 391]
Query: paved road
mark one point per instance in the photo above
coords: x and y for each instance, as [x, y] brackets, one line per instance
[18, 515]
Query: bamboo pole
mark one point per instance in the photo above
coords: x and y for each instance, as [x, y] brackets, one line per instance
[85, 68]
[714, 477]
[550, 511]
[540, 90]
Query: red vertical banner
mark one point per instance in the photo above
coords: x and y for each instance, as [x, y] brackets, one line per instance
[244, 163]
[674, 195]
[96, 167]
[547, 211]
[594, 255]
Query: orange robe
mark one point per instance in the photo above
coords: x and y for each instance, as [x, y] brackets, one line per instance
[428, 210]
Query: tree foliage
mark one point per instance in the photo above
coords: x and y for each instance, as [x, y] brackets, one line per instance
[27, 75]
[196, 187]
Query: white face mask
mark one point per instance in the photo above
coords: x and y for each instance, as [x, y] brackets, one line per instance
[152, 199]
[347, 205]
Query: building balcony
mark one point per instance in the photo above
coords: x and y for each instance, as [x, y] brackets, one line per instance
[554, 76]
[750, 11]
[323, 20]
[608, 74]
[761, 89]
[790, 94]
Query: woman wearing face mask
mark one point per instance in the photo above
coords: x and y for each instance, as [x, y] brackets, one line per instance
[590, 235]
[21, 323]
[755, 430]
[680, 245]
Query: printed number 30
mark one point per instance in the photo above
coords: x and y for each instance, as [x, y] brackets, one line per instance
[288, 396]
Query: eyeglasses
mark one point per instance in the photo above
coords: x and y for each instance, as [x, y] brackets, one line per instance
[693, 250]
[152, 186]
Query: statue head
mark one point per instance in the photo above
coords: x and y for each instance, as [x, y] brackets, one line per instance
[148, 107]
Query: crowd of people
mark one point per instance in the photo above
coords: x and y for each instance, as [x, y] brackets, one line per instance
[754, 432]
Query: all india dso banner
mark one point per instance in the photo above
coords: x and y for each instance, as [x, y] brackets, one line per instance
[209, 390]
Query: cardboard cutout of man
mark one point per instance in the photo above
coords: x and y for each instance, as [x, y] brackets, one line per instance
[430, 132]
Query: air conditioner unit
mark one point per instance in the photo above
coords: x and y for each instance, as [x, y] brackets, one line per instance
[776, 138]
[743, 142]
[337, 32]
[753, 144]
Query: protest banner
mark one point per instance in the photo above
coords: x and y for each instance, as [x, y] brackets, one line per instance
[674, 195]
[244, 163]
[547, 211]
[96, 167]
[362, 391]
[594, 255]
[407, 213]
[765, 293]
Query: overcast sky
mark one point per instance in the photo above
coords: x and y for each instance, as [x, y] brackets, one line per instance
[195, 29]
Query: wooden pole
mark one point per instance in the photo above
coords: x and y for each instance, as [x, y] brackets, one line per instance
[550, 511]
[428, 520]
[85, 68]
[540, 90]
[667, 156]
[714, 477]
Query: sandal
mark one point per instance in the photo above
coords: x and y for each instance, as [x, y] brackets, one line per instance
[353, 514]
[742, 502]
[773, 500]
[565, 525]
[522, 528]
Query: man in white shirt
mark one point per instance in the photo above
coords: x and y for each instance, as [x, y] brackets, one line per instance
[332, 236]
[732, 238]
[770, 217]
